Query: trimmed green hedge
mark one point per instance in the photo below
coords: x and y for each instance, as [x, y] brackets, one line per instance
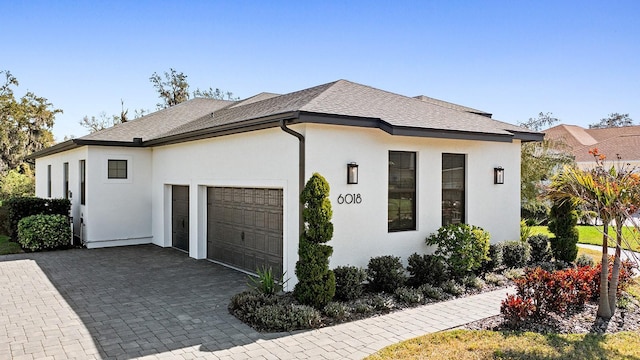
[22, 207]
[44, 232]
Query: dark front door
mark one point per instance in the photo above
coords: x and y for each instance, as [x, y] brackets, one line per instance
[180, 217]
[244, 227]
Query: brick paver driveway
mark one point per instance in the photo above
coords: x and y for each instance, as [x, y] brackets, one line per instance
[153, 303]
[116, 303]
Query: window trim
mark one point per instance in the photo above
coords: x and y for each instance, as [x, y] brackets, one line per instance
[414, 225]
[49, 180]
[65, 180]
[463, 209]
[117, 175]
[83, 178]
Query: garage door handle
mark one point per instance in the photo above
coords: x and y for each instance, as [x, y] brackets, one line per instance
[242, 236]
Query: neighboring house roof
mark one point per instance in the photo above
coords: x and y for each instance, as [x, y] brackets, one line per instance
[341, 102]
[622, 142]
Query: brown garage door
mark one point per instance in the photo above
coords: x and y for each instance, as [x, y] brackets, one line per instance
[244, 227]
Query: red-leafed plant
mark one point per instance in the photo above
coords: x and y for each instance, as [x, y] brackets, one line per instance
[516, 309]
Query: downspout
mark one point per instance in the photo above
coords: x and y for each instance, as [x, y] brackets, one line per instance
[301, 166]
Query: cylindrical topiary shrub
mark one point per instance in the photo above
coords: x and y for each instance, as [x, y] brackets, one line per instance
[316, 282]
[349, 281]
[563, 220]
[44, 232]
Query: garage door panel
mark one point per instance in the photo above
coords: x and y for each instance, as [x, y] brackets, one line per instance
[244, 227]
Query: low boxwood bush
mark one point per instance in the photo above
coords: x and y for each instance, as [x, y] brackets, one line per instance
[432, 292]
[494, 258]
[409, 296]
[21, 207]
[426, 269]
[44, 232]
[336, 310]
[349, 282]
[286, 317]
[585, 260]
[386, 273]
[515, 254]
[473, 282]
[463, 247]
[540, 250]
[452, 287]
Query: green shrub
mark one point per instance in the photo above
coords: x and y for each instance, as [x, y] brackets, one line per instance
[473, 282]
[336, 310]
[286, 317]
[515, 254]
[432, 292]
[44, 232]
[585, 260]
[22, 207]
[426, 269]
[244, 304]
[349, 281]
[4, 220]
[563, 220]
[266, 282]
[540, 251]
[362, 307]
[494, 258]
[409, 296]
[513, 273]
[464, 247]
[381, 302]
[385, 273]
[316, 283]
[495, 279]
[452, 287]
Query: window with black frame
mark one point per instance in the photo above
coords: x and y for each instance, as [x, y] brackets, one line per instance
[402, 191]
[117, 169]
[453, 188]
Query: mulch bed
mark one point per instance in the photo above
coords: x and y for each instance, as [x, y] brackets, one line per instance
[586, 321]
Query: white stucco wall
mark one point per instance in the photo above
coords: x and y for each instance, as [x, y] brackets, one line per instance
[261, 159]
[56, 161]
[116, 212]
[361, 229]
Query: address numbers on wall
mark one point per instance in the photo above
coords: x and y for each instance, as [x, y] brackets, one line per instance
[349, 199]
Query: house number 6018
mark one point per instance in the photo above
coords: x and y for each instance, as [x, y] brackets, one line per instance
[349, 199]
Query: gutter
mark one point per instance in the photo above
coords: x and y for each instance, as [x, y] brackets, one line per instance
[301, 166]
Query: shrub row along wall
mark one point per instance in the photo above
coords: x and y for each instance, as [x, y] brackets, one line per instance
[22, 207]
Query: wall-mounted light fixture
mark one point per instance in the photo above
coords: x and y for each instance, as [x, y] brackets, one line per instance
[498, 175]
[352, 173]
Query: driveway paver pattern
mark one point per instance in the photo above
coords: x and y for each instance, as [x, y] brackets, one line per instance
[154, 303]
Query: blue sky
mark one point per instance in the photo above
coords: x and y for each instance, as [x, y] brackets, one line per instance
[579, 60]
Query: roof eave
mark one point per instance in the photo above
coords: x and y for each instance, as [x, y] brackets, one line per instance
[528, 136]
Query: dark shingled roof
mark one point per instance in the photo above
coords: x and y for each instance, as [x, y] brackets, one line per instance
[340, 102]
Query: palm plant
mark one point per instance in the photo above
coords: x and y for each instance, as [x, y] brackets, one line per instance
[613, 194]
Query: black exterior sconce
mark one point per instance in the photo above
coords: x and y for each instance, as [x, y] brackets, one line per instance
[352, 173]
[498, 175]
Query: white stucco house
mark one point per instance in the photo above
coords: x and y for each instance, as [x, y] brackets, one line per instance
[220, 180]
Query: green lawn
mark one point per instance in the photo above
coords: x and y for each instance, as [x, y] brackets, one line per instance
[593, 235]
[466, 344]
[8, 247]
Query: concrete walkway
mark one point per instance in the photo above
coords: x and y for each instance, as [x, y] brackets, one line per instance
[153, 303]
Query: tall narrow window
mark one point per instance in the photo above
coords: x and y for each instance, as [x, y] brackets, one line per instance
[402, 191]
[453, 188]
[116, 169]
[65, 180]
[83, 177]
[48, 180]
